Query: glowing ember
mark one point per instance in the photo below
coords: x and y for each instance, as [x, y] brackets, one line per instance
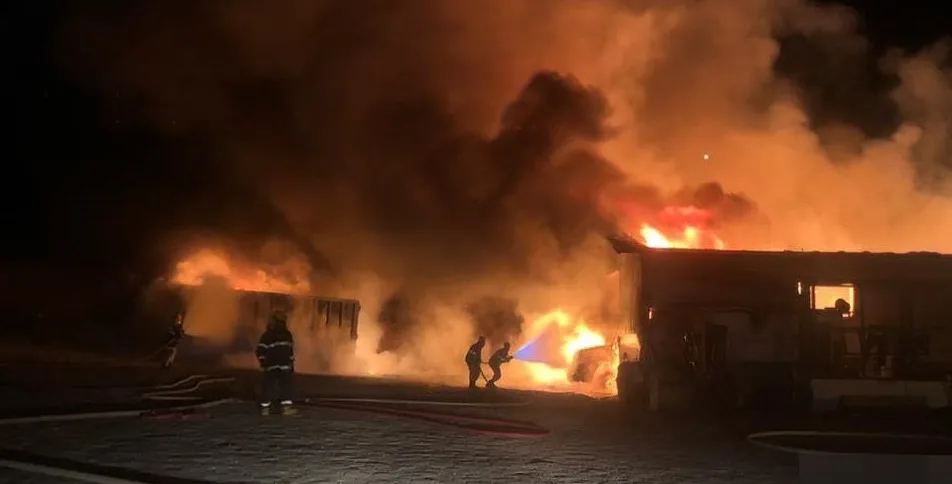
[206, 264]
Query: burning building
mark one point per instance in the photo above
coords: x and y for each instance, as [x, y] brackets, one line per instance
[749, 325]
[210, 309]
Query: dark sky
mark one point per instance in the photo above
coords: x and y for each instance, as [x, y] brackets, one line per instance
[86, 185]
[89, 186]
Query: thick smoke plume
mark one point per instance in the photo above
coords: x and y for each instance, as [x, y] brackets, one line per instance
[423, 155]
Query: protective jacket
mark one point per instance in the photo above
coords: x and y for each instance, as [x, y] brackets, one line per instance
[475, 354]
[499, 357]
[276, 350]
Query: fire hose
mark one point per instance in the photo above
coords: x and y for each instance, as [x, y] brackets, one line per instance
[475, 423]
[437, 403]
[85, 472]
[173, 392]
[177, 391]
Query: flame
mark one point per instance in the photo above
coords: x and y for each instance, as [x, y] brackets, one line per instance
[207, 263]
[673, 227]
[690, 238]
[565, 335]
[573, 335]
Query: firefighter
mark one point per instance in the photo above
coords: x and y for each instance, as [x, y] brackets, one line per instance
[275, 354]
[474, 358]
[495, 363]
[176, 332]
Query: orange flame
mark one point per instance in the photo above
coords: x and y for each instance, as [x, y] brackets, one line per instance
[207, 263]
[575, 336]
[691, 238]
[673, 227]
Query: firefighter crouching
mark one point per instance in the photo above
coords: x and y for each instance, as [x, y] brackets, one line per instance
[495, 363]
[275, 354]
[474, 358]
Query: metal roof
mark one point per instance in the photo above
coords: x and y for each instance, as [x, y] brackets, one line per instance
[808, 266]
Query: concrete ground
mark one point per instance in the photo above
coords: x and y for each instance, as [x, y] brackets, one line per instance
[590, 440]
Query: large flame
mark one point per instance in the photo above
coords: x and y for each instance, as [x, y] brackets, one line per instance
[687, 227]
[207, 263]
[680, 227]
[690, 238]
[555, 340]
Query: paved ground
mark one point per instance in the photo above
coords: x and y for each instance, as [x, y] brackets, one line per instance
[236, 445]
[590, 440]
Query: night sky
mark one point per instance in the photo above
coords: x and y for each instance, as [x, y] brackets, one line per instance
[91, 185]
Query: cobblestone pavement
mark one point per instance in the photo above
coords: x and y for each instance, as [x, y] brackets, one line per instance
[590, 442]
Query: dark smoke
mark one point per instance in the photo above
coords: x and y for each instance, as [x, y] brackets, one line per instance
[448, 146]
[498, 319]
[348, 144]
[367, 137]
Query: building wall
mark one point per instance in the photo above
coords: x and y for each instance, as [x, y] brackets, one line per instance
[759, 313]
[662, 290]
[732, 300]
[883, 305]
[923, 307]
[629, 281]
[772, 340]
[932, 312]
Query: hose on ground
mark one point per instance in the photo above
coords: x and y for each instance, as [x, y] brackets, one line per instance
[439, 403]
[139, 412]
[383, 404]
[478, 424]
[173, 391]
[177, 390]
[83, 471]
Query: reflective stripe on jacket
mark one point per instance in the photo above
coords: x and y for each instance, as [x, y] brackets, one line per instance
[276, 350]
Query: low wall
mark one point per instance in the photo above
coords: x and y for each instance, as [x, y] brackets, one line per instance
[875, 469]
[829, 394]
[840, 457]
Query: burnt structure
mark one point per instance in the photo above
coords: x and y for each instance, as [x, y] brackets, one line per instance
[248, 313]
[752, 325]
[255, 307]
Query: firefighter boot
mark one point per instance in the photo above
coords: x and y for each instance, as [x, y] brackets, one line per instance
[265, 410]
[288, 411]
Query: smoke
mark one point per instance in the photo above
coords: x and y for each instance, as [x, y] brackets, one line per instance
[424, 154]
[212, 312]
